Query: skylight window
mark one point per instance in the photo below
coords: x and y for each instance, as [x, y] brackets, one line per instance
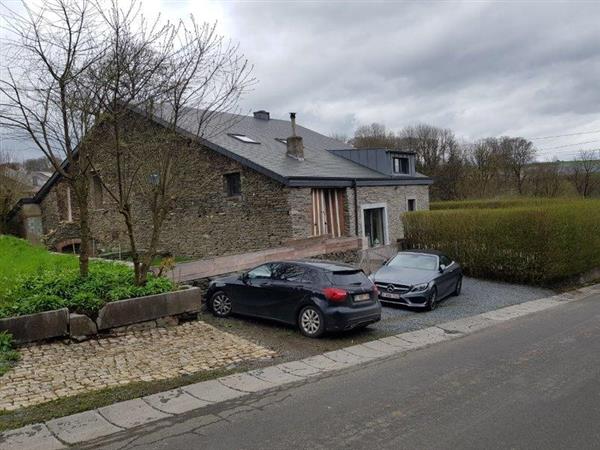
[282, 140]
[243, 138]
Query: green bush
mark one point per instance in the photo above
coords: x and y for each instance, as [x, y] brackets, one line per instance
[541, 244]
[8, 355]
[49, 289]
[514, 202]
[19, 258]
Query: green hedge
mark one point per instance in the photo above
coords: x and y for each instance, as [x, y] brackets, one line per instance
[539, 244]
[516, 202]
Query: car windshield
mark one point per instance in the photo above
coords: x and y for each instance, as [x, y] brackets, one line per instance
[414, 261]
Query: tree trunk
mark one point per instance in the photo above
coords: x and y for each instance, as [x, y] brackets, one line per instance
[139, 276]
[81, 190]
[146, 260]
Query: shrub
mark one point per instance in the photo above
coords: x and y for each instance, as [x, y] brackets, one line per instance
[541, 244]
[515, 202]
[48, 290]
[8, 355]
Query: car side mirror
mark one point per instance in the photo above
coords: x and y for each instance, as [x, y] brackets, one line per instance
[442, 268]
[244, 277]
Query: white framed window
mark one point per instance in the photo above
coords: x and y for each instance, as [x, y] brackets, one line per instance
[69, 206]
[400, 165]
[375, 227]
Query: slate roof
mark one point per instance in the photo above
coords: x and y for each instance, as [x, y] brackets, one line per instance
[320, 167]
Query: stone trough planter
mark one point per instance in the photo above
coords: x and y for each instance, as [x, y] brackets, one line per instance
[59, 323]
[151, 307]
[37, 327]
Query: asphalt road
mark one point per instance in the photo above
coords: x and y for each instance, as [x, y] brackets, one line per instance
[532, 383]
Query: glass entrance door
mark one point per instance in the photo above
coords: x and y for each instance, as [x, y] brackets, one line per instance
[374, 226]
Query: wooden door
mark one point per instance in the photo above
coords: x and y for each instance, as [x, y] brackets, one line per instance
[328, 212]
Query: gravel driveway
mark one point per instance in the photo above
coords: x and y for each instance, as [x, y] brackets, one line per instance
[478, 296]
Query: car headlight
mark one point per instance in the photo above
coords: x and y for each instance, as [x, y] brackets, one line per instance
[420, 287]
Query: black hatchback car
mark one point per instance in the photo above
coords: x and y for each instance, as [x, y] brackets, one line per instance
[316, 296]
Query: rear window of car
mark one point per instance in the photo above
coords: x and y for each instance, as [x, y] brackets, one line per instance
[349, 278]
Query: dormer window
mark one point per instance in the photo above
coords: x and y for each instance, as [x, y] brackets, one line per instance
[400, 165]
[243, 138]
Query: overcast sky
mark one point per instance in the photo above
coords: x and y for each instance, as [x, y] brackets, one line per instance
[481, 69]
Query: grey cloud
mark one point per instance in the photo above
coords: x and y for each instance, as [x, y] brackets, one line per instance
[481, 69]
[478, 68]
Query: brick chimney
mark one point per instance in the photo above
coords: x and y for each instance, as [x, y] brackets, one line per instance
[262, 115]
[295, 147]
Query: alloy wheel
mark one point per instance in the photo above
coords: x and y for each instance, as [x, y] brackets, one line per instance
[433, 300]
[221, 304]
[310, 321]
[458, 286]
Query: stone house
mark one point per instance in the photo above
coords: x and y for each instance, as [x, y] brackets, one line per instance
[251, 185]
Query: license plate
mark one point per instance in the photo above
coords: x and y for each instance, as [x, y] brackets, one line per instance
[362, 297]
[389, 295]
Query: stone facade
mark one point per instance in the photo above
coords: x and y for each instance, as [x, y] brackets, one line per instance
[393, 198]
[206, 220]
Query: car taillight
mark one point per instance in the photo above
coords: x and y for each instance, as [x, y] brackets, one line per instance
[335, 294]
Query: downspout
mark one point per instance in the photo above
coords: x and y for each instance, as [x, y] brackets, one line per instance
[355, 208]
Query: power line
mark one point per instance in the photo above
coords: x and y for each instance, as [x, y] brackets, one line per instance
[564, 135]
[569, 145]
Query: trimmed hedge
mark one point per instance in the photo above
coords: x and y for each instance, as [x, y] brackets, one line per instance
[538, 244]
[516, 202]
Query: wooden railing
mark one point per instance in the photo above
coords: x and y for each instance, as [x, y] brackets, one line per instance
[297, 249]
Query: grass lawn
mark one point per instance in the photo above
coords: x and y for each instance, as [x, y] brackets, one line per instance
[34, 280]
[19, 258]
[84, 402]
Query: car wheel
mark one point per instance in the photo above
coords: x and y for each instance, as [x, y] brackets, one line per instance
[220, 304]
[458, 287]
[432, 303]
[311, 322]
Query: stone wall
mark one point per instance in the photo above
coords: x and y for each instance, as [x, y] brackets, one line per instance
[395, 199]
[204, 221]
[300, 205]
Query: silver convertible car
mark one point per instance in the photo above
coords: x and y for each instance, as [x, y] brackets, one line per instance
[418, 278]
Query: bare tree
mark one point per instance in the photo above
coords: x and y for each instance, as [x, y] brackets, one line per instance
[545, 179]
[373, 136]
[37, 164]
[168, 72]
[517, 154]
[431, 144]
[340, 137]
[9, 188]
[484, 160]
[585, 172]
[52, 47]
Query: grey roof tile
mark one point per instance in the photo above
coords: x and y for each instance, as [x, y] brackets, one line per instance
[271, 153]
